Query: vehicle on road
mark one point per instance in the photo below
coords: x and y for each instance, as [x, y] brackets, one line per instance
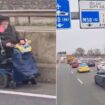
[91, 63]
[70, 58]
[83, 67]
[62, 60]
[74, 64]
[73, 61]
[79, 61]
[100, 78]
[101, 65]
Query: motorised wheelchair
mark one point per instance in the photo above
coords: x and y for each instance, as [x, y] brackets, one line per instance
[10, 76]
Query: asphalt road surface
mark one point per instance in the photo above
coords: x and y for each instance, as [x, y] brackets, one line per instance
[40, 94]
[78, 88]
[6, 99]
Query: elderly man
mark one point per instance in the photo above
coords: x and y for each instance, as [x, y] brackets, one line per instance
[22, 62]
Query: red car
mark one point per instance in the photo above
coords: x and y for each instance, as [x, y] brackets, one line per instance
[74, 64]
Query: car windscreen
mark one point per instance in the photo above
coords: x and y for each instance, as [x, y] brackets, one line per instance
[82, 65]
[101, 72]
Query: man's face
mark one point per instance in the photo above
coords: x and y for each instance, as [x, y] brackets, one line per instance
[5, 24]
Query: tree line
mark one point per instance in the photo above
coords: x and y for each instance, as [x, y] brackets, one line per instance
[90, 52]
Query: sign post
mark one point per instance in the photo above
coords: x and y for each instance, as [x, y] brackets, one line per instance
[92, 14]
[63, 14]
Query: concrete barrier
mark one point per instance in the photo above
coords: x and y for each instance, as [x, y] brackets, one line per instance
[48, 73]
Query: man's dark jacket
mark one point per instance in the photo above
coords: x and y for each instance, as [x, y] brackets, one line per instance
[10, 35]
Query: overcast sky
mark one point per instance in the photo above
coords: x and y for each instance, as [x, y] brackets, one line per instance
[69, 40]
[74, 5]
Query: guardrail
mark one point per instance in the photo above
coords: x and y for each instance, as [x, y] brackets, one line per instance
[35, 13]
[28, 13]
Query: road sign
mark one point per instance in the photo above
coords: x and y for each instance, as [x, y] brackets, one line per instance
[63, 14]
[92, 13]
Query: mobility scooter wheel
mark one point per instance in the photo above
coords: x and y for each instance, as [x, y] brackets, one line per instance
[3, 80]
[12, 85]
[25, 82]
[33, 81]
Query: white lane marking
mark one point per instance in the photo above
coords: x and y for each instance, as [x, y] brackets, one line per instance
[72, 72]
[28, 94]
[80, 81]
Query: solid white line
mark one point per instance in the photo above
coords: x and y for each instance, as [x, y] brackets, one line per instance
[28, 94]
[80, 81]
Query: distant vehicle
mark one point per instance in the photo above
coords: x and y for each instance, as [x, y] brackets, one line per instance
[74, 64]
[62, 60]
[100, 78]
[79, 61]
[91, 63]
[96, 59]
[70, 58]
[99, 59]
[83, 67]
[101, 65]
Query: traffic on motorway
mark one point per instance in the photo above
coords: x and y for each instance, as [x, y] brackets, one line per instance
[85, 65]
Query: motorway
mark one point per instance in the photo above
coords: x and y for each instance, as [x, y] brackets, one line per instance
[6, 99]
[40, 94]
[78, 88]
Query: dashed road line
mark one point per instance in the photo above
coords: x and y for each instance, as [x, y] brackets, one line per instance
[80, 81]
[72, 72]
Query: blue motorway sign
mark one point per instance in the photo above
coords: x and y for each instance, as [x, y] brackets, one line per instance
[90, 16]
[63, 14]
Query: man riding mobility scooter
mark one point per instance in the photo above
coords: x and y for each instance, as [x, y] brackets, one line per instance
[17, 64]
[20, 68]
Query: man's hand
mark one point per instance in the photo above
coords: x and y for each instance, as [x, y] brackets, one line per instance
[9, 44]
